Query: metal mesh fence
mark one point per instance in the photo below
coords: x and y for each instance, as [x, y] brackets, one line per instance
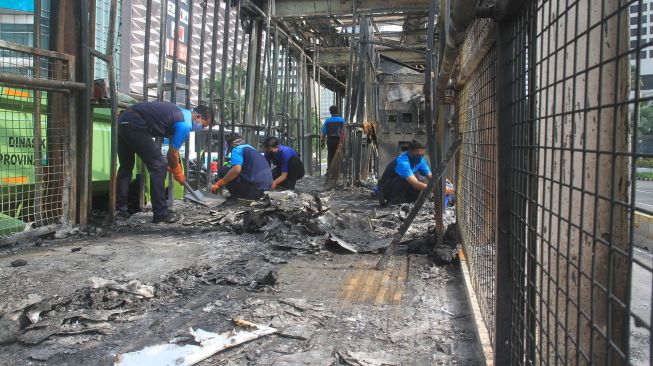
[34, 143]
[575, 106]
[477, 182]
[574, 128]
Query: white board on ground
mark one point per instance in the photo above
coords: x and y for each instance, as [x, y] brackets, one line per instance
[175, 355]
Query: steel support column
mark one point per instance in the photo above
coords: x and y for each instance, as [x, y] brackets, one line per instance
[253, 73]
[214, 55]
[223, 78]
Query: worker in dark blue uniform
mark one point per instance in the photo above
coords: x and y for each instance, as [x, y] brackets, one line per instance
[332, 131]
[249, 174]
[136, 128]
[288, 166]
[405, 177]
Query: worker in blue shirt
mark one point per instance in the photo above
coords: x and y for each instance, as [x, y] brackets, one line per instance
[405, 176]
[288, 167]
[249, 174]
[136, 128]
[332, 131]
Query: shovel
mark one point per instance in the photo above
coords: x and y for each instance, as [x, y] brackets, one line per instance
[206, 199]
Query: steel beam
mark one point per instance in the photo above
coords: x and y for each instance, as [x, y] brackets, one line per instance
[253, 72]
[146, 92]
[462, 15]
[412, 32]
[503, 200]
[223, 77]
[38, 148]
[340, 56]
[28, 82]
[36, 51]
[212, 91]
[113, 95]
[188, 92]
[232, 95]
[322, 8]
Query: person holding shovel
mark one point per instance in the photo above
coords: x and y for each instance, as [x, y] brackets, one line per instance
[137, 126]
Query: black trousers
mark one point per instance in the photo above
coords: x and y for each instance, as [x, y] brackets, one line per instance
[295, 173]
[332, 146]
[133, 139]
[397, 190]
[239, 188]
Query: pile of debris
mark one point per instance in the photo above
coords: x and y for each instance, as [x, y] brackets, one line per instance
[306, 223]
[301, 222]
[91, 309]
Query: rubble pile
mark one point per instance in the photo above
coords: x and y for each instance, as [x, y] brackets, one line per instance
[302, 222]
[90, 309]
[307, 223]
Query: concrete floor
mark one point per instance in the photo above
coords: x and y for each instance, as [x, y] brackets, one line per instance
[203, 277]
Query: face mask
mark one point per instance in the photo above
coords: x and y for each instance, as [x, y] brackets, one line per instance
[197, 126]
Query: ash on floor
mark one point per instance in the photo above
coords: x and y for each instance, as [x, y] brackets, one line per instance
[302, 263]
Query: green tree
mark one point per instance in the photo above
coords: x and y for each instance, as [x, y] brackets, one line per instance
[645, 124]
[635, 80]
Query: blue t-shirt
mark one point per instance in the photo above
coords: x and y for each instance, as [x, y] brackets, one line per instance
[254, 167]
[282, 157]
[407, 167]
[237, 154]
[333, 126]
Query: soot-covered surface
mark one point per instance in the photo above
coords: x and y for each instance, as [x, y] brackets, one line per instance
[301, 263]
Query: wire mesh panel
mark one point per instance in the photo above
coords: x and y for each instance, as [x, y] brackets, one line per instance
[576, 116]
[34, 142]
[521, 168]
[477, 183]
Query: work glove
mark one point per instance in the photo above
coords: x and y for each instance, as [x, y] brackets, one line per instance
[178, 173]
[218, 185]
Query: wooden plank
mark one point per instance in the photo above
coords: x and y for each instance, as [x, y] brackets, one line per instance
[401, 278]
[385, 286]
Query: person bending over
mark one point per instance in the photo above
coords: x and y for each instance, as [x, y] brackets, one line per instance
[288, 166]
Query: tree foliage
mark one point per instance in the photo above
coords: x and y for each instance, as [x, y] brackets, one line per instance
[645, 124]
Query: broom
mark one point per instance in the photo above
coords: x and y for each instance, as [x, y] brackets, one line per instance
[333, 171]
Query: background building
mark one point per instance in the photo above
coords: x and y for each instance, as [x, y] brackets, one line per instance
[327, 99]
[17, 25]
[134, 46]
[645, 54]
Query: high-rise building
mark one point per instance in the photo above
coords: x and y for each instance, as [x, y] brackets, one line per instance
[646, 54]
[134, 46]
[327, 99]
[17, 26]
